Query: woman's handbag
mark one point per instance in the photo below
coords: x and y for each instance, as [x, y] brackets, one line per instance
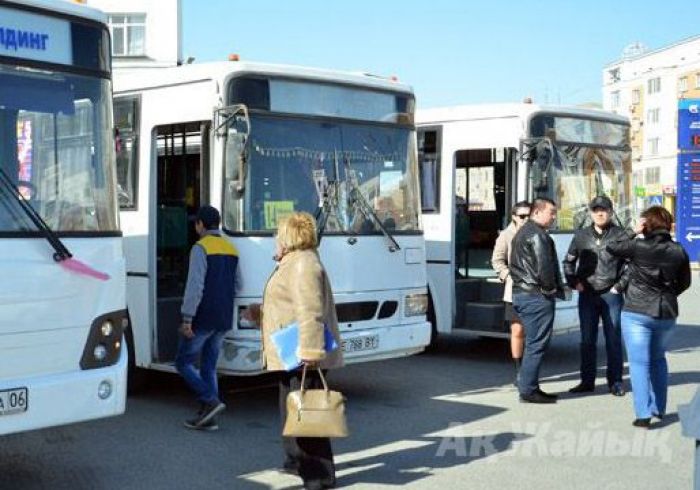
[315, 413]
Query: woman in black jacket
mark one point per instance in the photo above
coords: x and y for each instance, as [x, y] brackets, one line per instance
[658, 271]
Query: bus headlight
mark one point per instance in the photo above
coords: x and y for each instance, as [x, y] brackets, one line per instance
[416, 304]
[107, 328]
[100, 352]
[104, 341]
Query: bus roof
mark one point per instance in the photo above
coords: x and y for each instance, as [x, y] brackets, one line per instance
[500, 111]
[150, 78]
[65, 7]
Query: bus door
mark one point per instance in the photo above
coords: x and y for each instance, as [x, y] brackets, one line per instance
[182, 186]
[482, 201]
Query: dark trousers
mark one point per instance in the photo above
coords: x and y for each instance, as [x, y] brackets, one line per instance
[537, 314]
[592, 308]
[312, 457]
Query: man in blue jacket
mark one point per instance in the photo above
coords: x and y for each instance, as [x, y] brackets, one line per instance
[207, 314]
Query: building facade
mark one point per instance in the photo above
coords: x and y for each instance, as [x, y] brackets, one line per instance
[646, 86]
[145, 33]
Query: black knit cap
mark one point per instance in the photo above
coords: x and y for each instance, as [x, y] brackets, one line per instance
[209, 216]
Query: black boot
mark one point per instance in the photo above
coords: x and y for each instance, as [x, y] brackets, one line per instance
[518, 362]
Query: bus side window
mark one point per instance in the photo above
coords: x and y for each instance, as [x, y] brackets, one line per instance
[429, 169]
[126, 127]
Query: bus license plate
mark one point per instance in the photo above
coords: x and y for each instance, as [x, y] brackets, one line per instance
[369, 342]
[13, 401]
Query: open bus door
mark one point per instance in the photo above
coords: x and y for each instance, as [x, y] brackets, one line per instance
[484, 181]
[182, 186]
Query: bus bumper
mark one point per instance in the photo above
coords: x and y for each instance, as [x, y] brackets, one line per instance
[393, 341]
[243, 357]
[66, 398]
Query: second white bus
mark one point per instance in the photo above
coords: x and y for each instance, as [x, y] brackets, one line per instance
[259, 141]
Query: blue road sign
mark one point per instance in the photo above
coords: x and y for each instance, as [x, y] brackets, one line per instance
[655, 200]
[689, 124]
[688, 204]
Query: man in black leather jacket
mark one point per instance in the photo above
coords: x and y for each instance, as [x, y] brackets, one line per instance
[597, 275]
[534, 268]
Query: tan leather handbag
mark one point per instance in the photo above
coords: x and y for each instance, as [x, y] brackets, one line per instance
[315, 413]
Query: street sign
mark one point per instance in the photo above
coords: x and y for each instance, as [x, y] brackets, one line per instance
[688, 204]
[655, 200]
[689, 124]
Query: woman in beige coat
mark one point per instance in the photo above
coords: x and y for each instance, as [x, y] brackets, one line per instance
[500, 261]
[298, 291]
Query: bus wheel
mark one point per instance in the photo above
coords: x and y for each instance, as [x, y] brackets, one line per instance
[136, 377]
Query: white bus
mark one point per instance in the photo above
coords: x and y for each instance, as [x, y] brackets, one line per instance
[259, 141]
[475, 163]
[62, 294]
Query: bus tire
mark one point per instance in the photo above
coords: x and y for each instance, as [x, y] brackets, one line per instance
[136, 377]
[430, 315]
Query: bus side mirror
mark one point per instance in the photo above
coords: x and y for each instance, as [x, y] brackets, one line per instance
[234, 159]
[233, 129]
[541, 164]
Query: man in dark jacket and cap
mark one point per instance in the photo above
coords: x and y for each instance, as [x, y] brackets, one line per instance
[598, 276]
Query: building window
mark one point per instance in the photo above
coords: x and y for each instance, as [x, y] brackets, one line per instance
[683, 84]
[614, 75]
[637, 178]
[653, 116]
[652, 175]
[615, 99]
[653, 146]
[128, 34]
[654, 85]
[636, 96]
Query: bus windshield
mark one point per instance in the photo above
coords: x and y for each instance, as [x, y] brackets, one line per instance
[344, 144]
[56, 146]
[589, 158]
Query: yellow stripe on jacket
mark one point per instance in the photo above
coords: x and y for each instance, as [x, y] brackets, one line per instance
[217, 245]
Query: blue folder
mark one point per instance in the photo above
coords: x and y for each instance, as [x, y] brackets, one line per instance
[286, 341]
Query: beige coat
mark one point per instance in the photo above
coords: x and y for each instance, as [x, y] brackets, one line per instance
[501, 258]
[298, 291]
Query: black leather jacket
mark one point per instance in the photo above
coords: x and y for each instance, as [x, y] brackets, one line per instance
[534, 266]
[589, 262]
[659, 271]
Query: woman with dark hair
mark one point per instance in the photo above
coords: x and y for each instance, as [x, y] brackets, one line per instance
[659, 271]
[500, 259]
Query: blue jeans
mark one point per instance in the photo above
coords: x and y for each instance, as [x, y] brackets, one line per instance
[537, 314]
[203, 347]
[592, 308]
[646, 339]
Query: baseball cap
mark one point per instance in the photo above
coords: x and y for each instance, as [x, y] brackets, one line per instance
[601, 202]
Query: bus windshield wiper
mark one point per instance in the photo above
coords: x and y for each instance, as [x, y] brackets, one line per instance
[61, 253]
[357, 199]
